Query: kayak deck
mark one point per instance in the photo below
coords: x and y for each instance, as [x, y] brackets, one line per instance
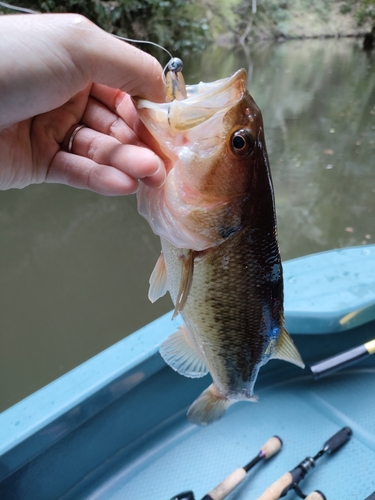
[116, 428]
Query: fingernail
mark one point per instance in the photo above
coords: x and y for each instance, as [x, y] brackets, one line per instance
[161, 166]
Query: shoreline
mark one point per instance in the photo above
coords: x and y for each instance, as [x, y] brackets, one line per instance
[230, 39]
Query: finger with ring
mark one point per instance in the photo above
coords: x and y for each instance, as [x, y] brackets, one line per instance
[67, 145]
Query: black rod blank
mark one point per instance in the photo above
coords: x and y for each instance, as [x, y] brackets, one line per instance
[342, 360]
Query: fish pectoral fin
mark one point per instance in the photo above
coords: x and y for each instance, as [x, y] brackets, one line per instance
[286, 350]
[208, 407]
[177, 350]
[158, 280]
[185, 283]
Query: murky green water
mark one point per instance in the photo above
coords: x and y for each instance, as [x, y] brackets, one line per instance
[74, 266]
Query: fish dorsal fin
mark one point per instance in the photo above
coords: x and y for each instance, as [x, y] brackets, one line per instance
[286, 350]
[158, 280]
[180, 353]
[185, 282]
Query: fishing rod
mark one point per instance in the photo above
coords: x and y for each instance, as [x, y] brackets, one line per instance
[342, 360]
[222, 490]
[290, 480]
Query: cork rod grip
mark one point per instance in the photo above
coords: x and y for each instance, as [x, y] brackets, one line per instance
[272, 446]
[228, 485]
[315, 495]
[274, 491]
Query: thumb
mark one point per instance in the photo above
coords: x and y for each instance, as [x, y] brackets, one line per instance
[107, 60]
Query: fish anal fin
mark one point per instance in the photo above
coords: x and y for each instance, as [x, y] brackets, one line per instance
[186, 281]
[208, 407]
[158, 280]
[286, 350]
[181, 355]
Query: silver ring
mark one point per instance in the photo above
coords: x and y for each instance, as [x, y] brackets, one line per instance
[69, 147]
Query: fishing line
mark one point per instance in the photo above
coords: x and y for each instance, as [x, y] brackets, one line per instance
[174, 64]
[143, 41]
[19, 9]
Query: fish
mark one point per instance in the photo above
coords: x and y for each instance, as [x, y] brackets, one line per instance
[220, 259]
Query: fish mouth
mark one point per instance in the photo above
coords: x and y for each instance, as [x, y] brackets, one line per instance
[204, 100]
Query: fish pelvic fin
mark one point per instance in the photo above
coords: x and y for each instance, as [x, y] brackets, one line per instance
[208, 407]
[187, 271]
[286, 350]
[182, 355]
[158, 280]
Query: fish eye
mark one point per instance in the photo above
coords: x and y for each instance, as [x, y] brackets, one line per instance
[242, 143]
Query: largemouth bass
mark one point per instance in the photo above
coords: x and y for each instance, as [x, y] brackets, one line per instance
[220, 257]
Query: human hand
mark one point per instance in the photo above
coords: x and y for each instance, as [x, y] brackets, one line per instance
[60, 70]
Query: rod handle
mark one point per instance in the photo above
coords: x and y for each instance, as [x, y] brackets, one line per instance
[271, 447]
[225, 487]
[185, 495]
[336, 441]
[316, 495]
[274, 491]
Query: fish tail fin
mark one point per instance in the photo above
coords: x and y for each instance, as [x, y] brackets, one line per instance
[208, 407]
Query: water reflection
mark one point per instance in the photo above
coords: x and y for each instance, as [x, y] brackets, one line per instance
[75, 266]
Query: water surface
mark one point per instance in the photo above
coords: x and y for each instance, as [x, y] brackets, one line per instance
[74, 266]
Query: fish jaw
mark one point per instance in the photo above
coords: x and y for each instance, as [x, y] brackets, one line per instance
[191, 133]
[178, 123]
